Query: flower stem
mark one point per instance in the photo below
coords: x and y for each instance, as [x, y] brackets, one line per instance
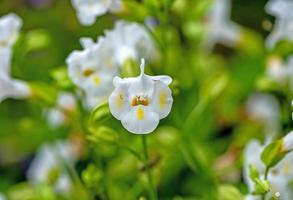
[152, 189]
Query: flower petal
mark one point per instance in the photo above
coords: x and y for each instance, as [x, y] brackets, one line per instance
[118, 102]
[140, 120]
[162, 99]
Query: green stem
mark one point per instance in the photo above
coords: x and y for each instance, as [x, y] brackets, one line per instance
[152, 189]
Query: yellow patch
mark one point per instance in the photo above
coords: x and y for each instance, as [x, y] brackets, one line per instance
[140, 113]
[162, 99]
[97, 80]
[119, 100]
[287, 168]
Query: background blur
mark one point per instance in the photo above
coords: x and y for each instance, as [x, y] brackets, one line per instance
[193, 152]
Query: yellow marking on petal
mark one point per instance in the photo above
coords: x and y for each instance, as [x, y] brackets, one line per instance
[140, 113]
[119, 101]
[287, 168]
[97, 80]
[162, 99]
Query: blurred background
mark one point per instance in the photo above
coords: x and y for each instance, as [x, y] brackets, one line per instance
[223, 96]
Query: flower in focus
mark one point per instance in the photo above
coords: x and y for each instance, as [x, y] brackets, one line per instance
[282, 10]
[9, 29]
[66, 104]
[140, 102]
[49, 166]
[279, 177]
[130, 41]
[93, 69]
[89, 10]
[220, 29]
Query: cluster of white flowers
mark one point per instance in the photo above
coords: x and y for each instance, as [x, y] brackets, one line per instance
[220, 29]
[89, 10]
[9, 29]
[66, 105]
[50, 165]
[94, 68]
[279, 176]
[282, 10]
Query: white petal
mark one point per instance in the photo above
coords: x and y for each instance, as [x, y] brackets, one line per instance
[116, 6]
[55, 118]
[140, 120]
[288, 142]
[9, 29]
[5, 55]
[86, 19]
[66, 101]
[162, 99]
[118, 102]
[86, 42]
[13, 88]
[165, 79]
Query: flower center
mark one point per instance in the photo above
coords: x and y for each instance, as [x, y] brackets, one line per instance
[87, 72]
[140, 100]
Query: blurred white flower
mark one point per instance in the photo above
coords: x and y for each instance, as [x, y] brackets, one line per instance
[279, 177]
[9, 29]
[93, 68]
[49, 166]
[130, 41]
[2, 197]
[140, 102]
[266, 109]
[9, 87]
[220, 29]
[89, 10]
[288, 142]
[66, 104]
[282, 10]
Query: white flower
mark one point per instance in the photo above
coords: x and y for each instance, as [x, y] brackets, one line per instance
[266, 109]
[65, 105]
[288, 142]
[130, 41]
[9, 29]
[89, 10]
[282, 10]
[10, 87]
[220, 29]
[279, 177]
[93, 68]
[141, 102]
[49, 165]
[2, 197]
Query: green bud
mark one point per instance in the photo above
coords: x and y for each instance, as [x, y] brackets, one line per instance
[60, 75]
[43, 92]
[229, 192]
[253, 172]
[99, 115]
[272, 154]
[92, 176]
[261, 186]
[102, 134]
[37, 39]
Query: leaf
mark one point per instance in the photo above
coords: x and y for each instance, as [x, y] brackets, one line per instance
[272, 154]
[229, 192]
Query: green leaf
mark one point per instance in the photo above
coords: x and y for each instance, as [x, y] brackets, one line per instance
[229, 192]
[272, 154]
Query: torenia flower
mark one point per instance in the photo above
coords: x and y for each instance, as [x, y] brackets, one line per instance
[89, 10]
[130, 41]
[140, 102]
[282, 10]
[288, 142]
[48, 165]
[279, 177]
[9, 29]
[10, 87]
[66, 104]
[93, 69]
[220, 29]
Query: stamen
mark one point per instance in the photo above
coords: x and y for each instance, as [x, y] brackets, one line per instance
[88, 72]
[138, 100]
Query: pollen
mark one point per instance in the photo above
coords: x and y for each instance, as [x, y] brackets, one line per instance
[140, 113]
[138, 100]
[97, 80]
[88, 72]
[162, 99]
